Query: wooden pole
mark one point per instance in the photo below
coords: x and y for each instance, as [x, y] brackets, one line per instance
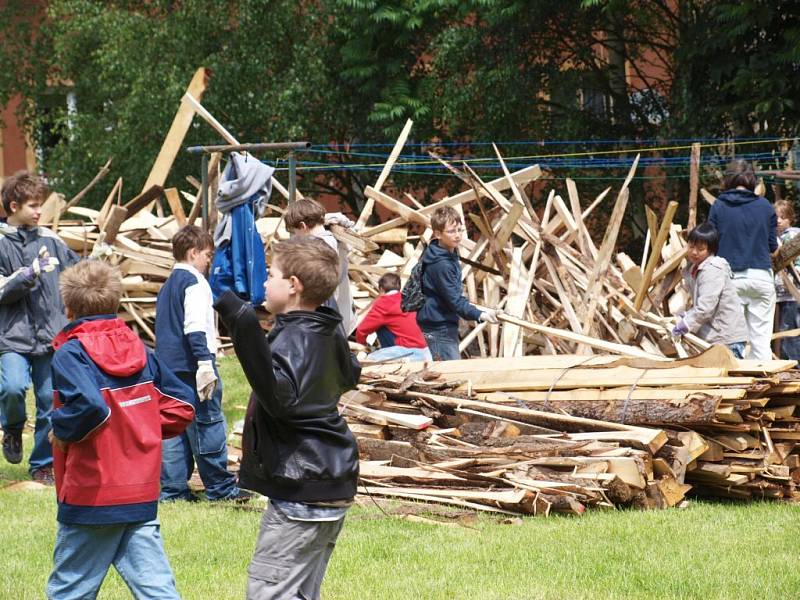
[694, 185]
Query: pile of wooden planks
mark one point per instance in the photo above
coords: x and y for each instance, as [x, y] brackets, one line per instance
[543, 434]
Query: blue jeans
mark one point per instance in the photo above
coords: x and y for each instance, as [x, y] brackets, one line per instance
[442, 341]
[204, 441]
[400, 353]
[737, 349]
[790, 347]
[17, 372]
[84, 553]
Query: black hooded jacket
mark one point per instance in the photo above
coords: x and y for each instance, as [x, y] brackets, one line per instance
[296, 446]
[747, 227]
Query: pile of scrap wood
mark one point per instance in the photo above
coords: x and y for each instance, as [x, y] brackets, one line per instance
[563, 433]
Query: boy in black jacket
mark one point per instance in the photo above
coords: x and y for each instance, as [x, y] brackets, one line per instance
[297, 449]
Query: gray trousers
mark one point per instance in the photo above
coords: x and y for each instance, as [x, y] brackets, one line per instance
[290, 557]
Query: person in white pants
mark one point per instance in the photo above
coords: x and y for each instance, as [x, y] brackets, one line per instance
[756, 289]
[747, 227]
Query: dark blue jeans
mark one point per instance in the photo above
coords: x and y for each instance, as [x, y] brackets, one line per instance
[203, 442]
[787, 319]
[17, 372]
[442, 341]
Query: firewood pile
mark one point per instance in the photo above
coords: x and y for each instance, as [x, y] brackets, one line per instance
[565, 433]
[579, 398]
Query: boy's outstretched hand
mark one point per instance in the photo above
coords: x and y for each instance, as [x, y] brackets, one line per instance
[57, 443]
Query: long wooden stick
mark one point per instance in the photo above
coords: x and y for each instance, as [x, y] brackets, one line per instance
[655, 254]
[694, 185]
[579, 338]
[104, 170]
[366, 212]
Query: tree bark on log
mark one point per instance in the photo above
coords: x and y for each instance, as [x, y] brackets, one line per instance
[698, 408]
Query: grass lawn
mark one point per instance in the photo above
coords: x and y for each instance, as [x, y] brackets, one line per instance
[710, 550]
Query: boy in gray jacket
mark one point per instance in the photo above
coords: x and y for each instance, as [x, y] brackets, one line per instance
[716, 314]
[31, 314]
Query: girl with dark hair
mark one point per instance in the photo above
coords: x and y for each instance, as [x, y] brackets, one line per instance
[747, 226]
[716, 313]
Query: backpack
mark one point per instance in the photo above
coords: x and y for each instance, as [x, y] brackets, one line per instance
[412, 298]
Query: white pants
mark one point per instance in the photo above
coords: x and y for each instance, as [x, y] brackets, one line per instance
[758, 302]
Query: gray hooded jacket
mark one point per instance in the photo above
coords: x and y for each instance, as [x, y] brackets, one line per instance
[31, 314]
[716, 315]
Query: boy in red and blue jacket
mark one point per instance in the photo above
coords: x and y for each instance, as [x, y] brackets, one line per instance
[113, 404]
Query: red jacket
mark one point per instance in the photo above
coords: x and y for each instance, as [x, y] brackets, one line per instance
[386, 312]
[113, 403]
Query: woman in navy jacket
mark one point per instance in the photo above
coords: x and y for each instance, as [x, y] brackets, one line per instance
[747, 227]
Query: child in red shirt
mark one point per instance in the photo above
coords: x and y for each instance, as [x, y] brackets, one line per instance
[398, 333]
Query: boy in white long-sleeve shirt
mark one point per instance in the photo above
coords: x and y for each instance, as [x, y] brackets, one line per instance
[186, 342]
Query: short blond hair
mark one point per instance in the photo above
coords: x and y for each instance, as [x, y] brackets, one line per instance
[305, 210]
[443, 216]
[90, 288]
[313, 262]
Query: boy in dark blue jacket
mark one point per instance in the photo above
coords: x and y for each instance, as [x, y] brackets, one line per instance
[297, 448]
[186, 342]
[441, 285]
[114, 402]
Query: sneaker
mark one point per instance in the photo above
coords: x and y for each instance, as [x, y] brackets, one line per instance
[12, 445]
[44, 475]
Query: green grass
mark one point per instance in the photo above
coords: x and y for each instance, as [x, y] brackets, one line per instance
[710, 550]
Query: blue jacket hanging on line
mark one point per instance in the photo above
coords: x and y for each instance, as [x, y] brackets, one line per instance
[239, 264]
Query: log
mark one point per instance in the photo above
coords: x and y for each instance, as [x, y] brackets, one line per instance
[700, 408]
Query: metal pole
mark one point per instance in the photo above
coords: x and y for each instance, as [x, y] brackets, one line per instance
[292, 177]
[204, 190]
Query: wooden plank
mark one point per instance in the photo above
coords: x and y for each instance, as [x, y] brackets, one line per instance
[500, 184]
[176, 206]
[366, 212]
[139, 202]
[406, 212]
[612, 347]
[655, 254]
[177, 132]
[112, 224]
[382, 417]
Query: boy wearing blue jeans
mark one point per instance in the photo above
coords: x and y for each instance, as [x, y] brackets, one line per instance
[186, 342]
[441, 285]
[31, 313]
[114, 402]
[716, 315]
[297, 448]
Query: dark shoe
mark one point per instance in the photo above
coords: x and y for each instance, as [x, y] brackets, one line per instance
[44, 475]
[12, 445]
[240, 497]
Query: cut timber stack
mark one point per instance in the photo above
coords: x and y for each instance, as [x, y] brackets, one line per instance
[562, 433]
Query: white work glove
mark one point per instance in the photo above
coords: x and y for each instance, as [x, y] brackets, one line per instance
[489, 316]
[338, 218]
[206, 379]
[101, 250]
[44, 263]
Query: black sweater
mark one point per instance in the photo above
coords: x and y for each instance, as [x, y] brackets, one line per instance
[296, 446]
